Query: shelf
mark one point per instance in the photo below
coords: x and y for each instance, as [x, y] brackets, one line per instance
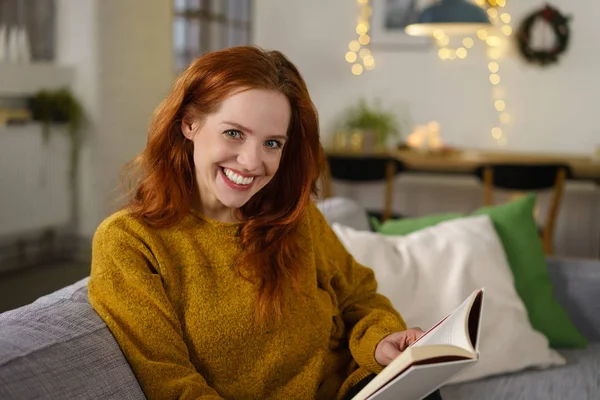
[21, 80]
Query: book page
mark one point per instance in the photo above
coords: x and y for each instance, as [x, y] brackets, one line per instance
[452, 330]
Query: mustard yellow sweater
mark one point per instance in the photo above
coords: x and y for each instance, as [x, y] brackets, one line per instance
[184, 318]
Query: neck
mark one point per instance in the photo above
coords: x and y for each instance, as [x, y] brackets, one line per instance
[214, 209]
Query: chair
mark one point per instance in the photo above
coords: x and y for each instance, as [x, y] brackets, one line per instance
[528, 177]
[365, 169]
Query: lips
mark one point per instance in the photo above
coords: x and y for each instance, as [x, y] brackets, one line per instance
[236, 180]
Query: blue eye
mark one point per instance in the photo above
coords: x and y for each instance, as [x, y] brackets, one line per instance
[233, 134]
[273, 144]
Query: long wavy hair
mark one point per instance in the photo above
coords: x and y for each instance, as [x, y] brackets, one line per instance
[162, 177]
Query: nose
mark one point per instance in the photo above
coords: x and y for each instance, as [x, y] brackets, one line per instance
[249, 157]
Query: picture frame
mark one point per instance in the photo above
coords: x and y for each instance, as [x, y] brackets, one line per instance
[388, 20]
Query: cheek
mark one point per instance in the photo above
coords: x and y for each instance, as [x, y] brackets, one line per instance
[273, 165]
[208, 153]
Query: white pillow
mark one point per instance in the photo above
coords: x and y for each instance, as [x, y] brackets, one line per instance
[428, 273]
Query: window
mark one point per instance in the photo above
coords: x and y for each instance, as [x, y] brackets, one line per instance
[38, 17]
[201, 26]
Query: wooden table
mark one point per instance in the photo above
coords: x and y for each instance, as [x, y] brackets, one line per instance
[465, 161]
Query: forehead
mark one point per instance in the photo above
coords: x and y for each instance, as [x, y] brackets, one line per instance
[265, 112]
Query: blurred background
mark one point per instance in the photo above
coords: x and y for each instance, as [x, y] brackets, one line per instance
[79, 80]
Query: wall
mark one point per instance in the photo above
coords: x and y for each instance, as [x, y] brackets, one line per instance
[123, 56]
[553, 109]
[77, 46]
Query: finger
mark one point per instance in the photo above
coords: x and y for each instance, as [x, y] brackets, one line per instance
[419, 332]
[411, 336]
[416, 331]
[403, 339]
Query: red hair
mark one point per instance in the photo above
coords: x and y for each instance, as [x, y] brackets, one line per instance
[165, 184]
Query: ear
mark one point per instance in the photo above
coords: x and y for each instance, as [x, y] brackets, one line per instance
[187, 129]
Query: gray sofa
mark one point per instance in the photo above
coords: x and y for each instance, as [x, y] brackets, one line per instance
[59, 348]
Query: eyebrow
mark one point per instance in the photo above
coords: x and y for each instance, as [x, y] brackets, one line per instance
[248, 130]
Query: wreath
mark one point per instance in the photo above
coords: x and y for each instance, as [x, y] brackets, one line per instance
[560, 27]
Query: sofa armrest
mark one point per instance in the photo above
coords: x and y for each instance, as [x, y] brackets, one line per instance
[577, 287]
[58, 347]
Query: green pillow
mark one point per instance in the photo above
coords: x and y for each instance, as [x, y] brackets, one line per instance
[408, 225]
[516, 227]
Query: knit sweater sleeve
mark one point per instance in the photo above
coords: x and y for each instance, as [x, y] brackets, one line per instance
[368, 316]
[126, 290]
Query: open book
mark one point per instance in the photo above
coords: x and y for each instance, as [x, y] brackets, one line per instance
[439, 354]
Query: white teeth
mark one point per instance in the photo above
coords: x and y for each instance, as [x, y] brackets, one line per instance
[235, 178]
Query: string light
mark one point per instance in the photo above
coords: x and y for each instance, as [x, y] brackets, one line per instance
[362, 28]
[495, 79]
[498, 16]
[359, 55]
[504, 118]
[493, 53]
[447, 53]
[493, 41]
[357, 69]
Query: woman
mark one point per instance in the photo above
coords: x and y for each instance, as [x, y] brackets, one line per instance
[220, 278]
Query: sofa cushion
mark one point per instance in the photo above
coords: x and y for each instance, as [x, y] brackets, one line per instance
[517, 229]
[430, 272]
[58, 348]
[344, 211]
[577, 288]
[578, 379]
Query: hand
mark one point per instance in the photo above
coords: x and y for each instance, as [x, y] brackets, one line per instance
[392, 345]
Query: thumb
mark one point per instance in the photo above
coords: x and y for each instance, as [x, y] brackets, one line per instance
[388, 351]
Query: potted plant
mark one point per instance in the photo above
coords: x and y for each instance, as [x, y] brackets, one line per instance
[375, 125]
[59, 107]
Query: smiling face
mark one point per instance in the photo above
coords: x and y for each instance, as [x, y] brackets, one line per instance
[237, 150]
